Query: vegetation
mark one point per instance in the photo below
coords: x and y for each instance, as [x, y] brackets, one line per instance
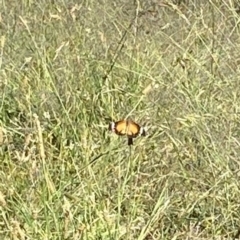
[68, 68]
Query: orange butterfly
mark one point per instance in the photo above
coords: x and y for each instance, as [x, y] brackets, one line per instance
[128, 128]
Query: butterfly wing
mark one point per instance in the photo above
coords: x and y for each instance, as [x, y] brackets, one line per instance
[121, 127]
[128, 128]
[133, 129]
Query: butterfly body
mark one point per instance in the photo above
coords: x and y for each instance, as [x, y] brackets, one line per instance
[128, 128]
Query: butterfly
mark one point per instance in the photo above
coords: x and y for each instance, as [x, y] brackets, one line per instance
[128, 128]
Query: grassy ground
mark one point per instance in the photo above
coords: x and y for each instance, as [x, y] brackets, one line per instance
[68, 68]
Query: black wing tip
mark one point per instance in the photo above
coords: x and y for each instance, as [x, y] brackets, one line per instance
[142, 132]
[111, 126]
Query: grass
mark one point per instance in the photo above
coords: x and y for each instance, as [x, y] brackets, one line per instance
[68, 68]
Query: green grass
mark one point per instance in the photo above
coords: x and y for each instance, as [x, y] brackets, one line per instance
[63, 175]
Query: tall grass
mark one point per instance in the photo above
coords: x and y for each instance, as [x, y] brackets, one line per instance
[68, 68]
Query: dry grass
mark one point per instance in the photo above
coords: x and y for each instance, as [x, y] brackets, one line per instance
[176, 70]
